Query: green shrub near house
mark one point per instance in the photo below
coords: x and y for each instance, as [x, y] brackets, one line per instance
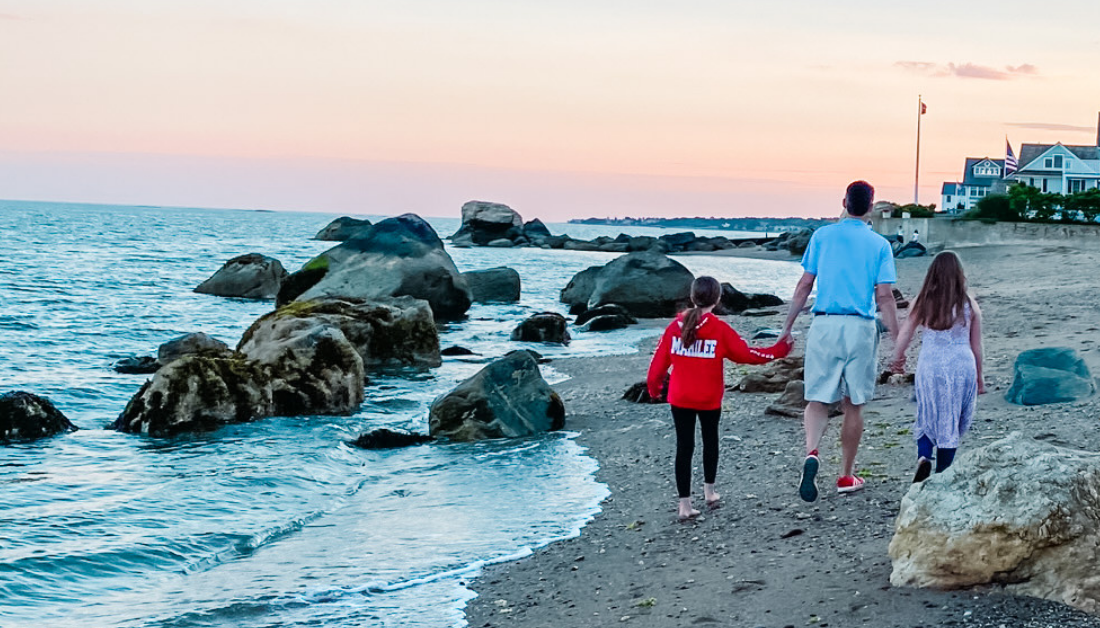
[1024, 203]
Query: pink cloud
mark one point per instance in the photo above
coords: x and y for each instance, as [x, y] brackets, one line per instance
[969, 70]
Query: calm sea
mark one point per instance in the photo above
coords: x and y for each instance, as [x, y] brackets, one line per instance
[277, 522]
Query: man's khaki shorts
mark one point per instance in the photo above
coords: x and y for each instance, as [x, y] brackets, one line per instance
[841, 359]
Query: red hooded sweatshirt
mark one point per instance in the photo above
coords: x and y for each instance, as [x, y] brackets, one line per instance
[697, 380]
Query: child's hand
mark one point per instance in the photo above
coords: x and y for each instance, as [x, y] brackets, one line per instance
[981, 387]
[897, 365]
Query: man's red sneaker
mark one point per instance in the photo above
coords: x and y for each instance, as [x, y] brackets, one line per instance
[849, 483]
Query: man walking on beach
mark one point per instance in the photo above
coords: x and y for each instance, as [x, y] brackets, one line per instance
[854, 268]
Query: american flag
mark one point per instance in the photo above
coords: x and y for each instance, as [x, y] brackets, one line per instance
[923, 109]
[1010, 159]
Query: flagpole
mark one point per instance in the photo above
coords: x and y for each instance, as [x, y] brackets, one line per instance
[916, 174]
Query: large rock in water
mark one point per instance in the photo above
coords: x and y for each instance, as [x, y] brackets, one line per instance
[198, 393]
[343, 228]
[506, 399]
[493, 285]
[484, 222]
[24, 416]
[579, 289]
[302, 370]
[648, 284]
[1049, 375]
[251, 276]
[543, 327]
[1016, 512]
[395, 257]
[733, 301]
[384, 332]
[197, 343]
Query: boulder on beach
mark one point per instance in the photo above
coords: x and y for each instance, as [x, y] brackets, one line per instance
[639, 393]
[910, 249]
[384, 332]
[484, 222]
[535, 230]
[506, 399]
[196, 343]
[1017, 512]
[25, 416]
[343, 228]
[543, 327]
[394, 257]
[648, 284]
[772, 377]
[493, 285]
[1049, 375]
[251, 276]
[610, 309]
[733, 301]
[385, 438]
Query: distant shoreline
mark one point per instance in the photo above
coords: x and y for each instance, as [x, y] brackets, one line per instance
[763, 225]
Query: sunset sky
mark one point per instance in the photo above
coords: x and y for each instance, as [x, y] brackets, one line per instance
[559, 109]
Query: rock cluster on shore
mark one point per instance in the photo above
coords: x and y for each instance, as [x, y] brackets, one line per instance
[497, 225]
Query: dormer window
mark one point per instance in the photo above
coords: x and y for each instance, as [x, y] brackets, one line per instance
[1054, 162]
[987, 170]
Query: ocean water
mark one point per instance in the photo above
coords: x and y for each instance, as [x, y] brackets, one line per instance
[277, 522]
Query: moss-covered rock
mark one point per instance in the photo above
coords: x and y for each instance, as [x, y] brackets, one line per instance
[385, 332]
[401, 256]
[506, 399]
[24, 416]
[198, 393]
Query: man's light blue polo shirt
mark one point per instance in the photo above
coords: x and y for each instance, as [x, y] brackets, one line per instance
[849, 259]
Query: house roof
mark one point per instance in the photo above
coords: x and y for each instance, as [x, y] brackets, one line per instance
[950, 188]
[1031, 152]
[986, 181]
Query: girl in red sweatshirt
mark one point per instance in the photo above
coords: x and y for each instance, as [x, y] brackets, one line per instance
[694, 345]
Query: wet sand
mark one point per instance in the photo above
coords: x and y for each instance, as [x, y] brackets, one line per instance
[765, 558]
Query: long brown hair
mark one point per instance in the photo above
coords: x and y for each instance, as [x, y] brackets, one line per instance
[943, 295]
[705, 292]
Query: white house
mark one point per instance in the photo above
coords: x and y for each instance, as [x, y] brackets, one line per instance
[982, 176]
[1058, 168]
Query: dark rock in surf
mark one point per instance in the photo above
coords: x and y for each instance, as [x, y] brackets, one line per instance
[385, 438]
[484, 222]
[343, 228]
[507, 399]
[610, 309]
[137, 365]
[251, 276]
[493, 285]
[544, 327]
[395, 257]
[25, 416]
[647, 284]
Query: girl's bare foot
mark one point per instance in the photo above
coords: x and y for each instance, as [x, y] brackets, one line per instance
[711, 495]
[686, 511]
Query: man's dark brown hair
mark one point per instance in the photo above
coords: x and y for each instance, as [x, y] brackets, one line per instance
[860, 196]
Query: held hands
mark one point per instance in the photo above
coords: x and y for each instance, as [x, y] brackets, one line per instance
[897, 364]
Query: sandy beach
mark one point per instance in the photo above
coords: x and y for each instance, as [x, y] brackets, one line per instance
[765, 558]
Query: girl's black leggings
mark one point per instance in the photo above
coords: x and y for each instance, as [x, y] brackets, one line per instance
[684, 420]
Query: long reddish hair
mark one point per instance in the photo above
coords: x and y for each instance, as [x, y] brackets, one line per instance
[943, 295]
[705, 292]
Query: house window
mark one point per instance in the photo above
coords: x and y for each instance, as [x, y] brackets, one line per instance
[1044, 185]
[1058, 162]
[1076, 185]
[1048, 163]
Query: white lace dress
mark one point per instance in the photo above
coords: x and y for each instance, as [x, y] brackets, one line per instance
[946, 383]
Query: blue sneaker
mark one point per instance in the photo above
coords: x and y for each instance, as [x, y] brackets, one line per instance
[807, 485]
